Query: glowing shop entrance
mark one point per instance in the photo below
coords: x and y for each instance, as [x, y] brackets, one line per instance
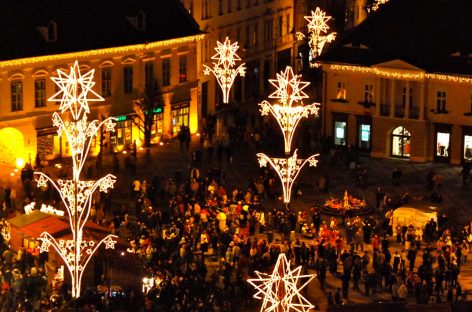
[12, 147]
[401, 142]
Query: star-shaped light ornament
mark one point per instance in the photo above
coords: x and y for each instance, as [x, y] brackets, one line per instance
[289, 87]
[289, 91]
[280, 291]
[223, 70]
[75, 91]
[318, 34]
[109, 242]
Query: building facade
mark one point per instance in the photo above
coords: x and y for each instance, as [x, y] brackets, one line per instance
[130, 47]
[409, 99]
[267, 43]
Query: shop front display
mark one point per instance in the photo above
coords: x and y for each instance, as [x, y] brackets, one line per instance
[401, 142]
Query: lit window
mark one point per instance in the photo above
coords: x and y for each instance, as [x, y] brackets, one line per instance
[341, 90]
[106, 82]
[442, 144]
[369, 93]
[16, 96]
[441, 102]
[40, 93]
[401, 142]
[340, 133]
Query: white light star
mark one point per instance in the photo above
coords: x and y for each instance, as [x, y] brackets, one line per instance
[280, 291]
[288, 87]
[75, 90]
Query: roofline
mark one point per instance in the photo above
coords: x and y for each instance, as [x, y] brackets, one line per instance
[399, 74]
[142, 47]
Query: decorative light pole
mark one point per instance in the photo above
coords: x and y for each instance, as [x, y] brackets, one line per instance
[288, 91]
[223, 70]
[318, 34]
[76, 194]
[279, 291]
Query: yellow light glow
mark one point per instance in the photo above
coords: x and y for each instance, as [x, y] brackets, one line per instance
[280, 291]
[400, 74]
[144, 47]
[20, 163]
[223, 70]
[376, 5]
[318, 34]
[76, 194]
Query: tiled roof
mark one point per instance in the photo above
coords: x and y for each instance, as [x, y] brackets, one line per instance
[423, 33]
[87, 24]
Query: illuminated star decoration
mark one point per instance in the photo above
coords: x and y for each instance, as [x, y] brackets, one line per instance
[75, 90]
[287, 169]
[223, 70]
[280, 291]
[76, 194]
[289, 91]
[318, 32]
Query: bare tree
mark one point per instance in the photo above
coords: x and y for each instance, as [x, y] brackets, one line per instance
[144, 108]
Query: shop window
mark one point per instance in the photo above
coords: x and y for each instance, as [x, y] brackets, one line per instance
[183, 68]
[340, 133]
[341, 90]
[364, 136]
[157, 127]
[40, 93]
[128, 79]
[442, 144]
[16, 96]
[180, 117]
[106, 82]
[441, 102]
[468, 148]
[401, 142]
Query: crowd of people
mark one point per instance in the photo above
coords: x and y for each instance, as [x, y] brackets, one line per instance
[201, 237]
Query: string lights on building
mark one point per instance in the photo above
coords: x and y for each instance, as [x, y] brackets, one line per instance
[318, 34]
[75, 91]
[399, 74]
[280, 291]
[376, 5]
[288, 111]
[223, 70]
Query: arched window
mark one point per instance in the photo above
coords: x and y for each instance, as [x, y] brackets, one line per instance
[401, 142]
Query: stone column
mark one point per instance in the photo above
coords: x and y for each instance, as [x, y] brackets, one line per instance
[407, 100]
[392, 98]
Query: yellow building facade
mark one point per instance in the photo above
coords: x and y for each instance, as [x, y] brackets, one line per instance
[403, 95]
[122, 73]
[265, 32]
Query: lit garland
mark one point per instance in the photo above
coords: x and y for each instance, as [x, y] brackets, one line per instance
[376, 5]
[399, 75]
[318, 34]
[76, 194]
[287, 169]
[279, 291]
[29, 208]
[289, 91]
[143, 47]
[223, 70]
